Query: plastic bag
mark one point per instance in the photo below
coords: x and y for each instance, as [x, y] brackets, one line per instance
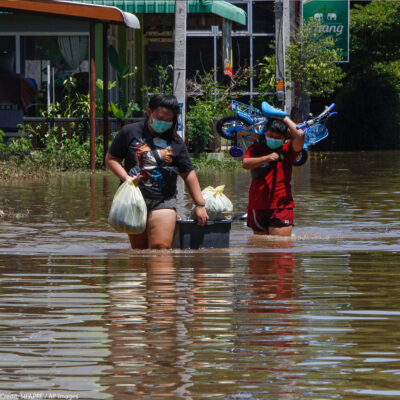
[128, 213]
[217, 205]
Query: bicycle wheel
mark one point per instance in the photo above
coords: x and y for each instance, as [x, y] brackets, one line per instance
[223, 124]
[301, 158]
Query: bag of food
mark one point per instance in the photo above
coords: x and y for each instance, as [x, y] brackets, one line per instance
[218, 206]
[128, 213]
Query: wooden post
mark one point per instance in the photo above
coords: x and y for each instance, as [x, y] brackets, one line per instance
[105, 92]
[92, 98]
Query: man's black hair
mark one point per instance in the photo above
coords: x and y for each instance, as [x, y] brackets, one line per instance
[170, 102]
[276, 125]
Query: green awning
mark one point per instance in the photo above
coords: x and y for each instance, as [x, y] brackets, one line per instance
[218, 7]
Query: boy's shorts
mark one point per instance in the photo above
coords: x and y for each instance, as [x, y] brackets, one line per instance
[261, 220]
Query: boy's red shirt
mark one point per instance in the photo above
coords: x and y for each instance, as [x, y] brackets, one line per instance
[272, 190]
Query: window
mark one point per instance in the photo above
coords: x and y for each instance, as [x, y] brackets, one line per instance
[263, 17]
[7, 54]
[66, 55]
[200, 55]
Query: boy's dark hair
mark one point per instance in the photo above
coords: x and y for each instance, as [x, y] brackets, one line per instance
[276, 125]
[167, 101]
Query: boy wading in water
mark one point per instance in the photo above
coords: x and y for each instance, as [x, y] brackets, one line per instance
[270, 208]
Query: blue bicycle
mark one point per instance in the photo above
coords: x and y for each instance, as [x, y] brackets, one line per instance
[247, 124]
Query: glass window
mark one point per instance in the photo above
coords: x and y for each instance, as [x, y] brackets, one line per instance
[200, 55]
[66, 55]
[263, 17]
[241, 51]
[262, 46]
[7, 53]
[241, 54]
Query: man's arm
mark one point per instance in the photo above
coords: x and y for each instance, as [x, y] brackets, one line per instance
[115, 166]
[295, 134]
[193, 185]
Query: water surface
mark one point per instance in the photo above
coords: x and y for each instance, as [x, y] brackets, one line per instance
[315, 316]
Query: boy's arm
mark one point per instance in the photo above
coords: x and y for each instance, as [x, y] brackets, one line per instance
[254, 162]
[295, 134]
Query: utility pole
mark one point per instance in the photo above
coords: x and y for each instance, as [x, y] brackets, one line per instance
[284, 13]
[180, 61]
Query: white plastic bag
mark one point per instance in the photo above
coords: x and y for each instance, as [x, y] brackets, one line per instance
[217, 205]
[128, 213]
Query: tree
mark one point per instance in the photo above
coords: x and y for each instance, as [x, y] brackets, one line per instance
[312, 64]
[375, 33]
[369, 102]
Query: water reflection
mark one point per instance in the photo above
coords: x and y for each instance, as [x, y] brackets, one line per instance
[308, 317]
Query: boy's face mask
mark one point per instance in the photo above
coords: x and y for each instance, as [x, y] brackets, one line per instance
[161, 126]
[274, 144]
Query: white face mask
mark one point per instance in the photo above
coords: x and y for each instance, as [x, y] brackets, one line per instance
[274, 144]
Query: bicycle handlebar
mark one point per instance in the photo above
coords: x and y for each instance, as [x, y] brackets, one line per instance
[317, 119]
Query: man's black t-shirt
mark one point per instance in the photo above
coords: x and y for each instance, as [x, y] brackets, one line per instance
[159, 161]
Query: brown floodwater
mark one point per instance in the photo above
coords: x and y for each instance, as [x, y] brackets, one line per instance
[315, 316]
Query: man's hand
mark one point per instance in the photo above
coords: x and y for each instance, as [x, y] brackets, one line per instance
[200, 214]
[133, 180]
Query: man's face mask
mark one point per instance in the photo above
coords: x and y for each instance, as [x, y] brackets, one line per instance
[274, 144]
[161, 126]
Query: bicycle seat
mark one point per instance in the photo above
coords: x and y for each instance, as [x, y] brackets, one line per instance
[269, 111]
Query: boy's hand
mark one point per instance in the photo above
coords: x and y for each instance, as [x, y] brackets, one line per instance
[272, 157]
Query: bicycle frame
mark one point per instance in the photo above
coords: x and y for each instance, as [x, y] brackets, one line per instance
[251, 115]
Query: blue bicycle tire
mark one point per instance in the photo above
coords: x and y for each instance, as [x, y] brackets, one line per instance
[222, 125]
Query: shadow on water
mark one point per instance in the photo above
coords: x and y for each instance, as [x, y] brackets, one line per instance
[310, 317]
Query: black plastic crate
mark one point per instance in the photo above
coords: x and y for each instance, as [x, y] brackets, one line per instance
[215, 234]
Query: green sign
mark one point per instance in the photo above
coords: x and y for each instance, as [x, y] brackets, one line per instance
[334, 16]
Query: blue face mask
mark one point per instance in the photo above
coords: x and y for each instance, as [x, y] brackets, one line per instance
[161, 126]
[274, 144]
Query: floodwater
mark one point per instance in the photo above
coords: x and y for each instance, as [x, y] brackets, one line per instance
[315, 316]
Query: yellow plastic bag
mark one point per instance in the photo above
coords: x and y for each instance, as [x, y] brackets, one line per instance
[218, 206]
[128, 213]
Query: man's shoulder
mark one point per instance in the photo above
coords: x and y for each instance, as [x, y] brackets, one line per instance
[135, 127]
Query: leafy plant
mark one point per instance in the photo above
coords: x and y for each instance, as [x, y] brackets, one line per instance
[265, 71]
[118, 110]
[57, 154]
[210, 100]
[3, 146]
[122, 70]
[73, 103]
[312, 63]
[160, 82]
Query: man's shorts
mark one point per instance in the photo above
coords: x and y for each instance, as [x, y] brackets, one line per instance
[160, 204]
[261, 220]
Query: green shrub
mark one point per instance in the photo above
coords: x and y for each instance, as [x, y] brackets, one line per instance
[69, 153]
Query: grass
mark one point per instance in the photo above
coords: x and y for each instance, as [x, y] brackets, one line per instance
[202, 164]
[16, 168]
[27, 168]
